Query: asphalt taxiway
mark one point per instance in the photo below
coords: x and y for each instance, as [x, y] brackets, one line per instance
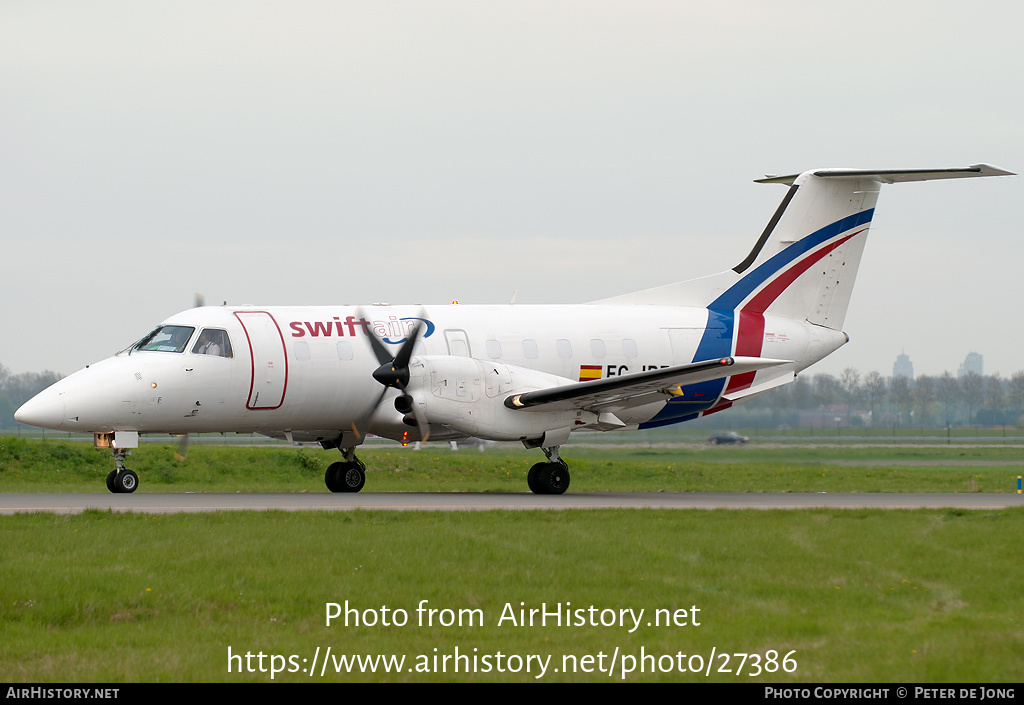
[171, 503]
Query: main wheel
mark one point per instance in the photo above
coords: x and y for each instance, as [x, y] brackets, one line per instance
[552, 478]
[352, 476]
[331, 477]
[126, 481]
[349, 476]
[531, 478]
[110, 481]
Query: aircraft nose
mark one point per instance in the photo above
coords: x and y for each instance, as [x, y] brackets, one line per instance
[45, 410]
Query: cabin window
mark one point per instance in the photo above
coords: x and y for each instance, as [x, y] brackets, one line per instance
[597, 347]
[629, 348]
[344, 350]
[564, 347]
[493, 349]
[165, 339]
[301, 350]
[530, 349]
[213, 341]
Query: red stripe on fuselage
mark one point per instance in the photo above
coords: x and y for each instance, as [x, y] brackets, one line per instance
[750, 329]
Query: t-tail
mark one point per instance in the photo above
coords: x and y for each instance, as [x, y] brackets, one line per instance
[788, 298]
[803, 265]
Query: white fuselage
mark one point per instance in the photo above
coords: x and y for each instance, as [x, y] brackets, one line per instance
[306, 371]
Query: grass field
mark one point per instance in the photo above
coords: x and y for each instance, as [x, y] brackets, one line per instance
[66, 466]
[850, 596]
[833, 595]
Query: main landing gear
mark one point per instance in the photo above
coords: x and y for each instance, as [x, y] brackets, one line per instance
[122, 480]
[551, 477]
[347, 476]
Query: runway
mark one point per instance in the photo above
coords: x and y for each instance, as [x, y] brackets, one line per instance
[173, 503]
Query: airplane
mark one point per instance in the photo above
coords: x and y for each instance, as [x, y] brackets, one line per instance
[531, 373]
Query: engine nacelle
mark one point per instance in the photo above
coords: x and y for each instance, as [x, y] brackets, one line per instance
[468, 396]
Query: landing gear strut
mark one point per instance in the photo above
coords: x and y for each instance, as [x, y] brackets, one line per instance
[347, 476]
[551, 477]
[122, 480]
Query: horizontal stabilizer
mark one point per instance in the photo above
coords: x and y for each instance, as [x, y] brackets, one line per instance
[630, 390]
[804, 264]
[896, 176]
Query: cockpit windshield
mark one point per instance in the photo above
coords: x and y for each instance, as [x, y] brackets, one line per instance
[165, 339]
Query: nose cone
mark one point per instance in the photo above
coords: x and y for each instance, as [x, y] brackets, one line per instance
[45, 410]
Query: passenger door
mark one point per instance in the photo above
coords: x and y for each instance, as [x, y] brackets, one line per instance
[269, 360]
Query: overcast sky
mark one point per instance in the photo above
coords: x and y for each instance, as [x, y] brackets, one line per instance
[354, 152]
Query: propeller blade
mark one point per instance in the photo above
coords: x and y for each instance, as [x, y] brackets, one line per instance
[395, 372]
[182, 451]
[405, 352]
[406, 405]
[361, 426]
[382, 354]
[421, 423]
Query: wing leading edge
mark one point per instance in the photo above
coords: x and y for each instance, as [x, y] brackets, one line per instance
[629, 390]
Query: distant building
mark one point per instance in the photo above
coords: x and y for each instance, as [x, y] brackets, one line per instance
[903, 367]
[974, 362]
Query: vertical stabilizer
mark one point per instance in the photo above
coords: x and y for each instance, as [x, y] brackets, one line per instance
[803, 265]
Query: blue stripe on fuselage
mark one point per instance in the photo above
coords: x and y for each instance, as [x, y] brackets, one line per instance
[695, 398]
[739, 291]
[718, 336]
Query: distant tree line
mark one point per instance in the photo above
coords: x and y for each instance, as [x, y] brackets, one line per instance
[15, 390]
[871, 400]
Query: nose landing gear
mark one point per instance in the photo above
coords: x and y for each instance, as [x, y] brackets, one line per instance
[122, 480]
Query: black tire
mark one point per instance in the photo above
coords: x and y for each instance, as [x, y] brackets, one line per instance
[110, 482]
[531, 478]
[352, 476]
[126, 482]
[331, 477]
[553, 478]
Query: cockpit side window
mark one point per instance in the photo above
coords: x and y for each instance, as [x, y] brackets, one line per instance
[213, 341]
[165, 339]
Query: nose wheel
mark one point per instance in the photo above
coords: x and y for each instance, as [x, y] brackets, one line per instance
[125, 481]
[122, 480]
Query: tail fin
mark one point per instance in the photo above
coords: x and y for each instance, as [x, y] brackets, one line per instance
[804, 264]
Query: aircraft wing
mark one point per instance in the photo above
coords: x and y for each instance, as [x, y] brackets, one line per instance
[637, 388]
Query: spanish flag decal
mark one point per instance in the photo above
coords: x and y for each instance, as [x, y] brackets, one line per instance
[589, 372]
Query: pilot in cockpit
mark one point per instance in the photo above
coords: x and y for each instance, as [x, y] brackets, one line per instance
[209, 343]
